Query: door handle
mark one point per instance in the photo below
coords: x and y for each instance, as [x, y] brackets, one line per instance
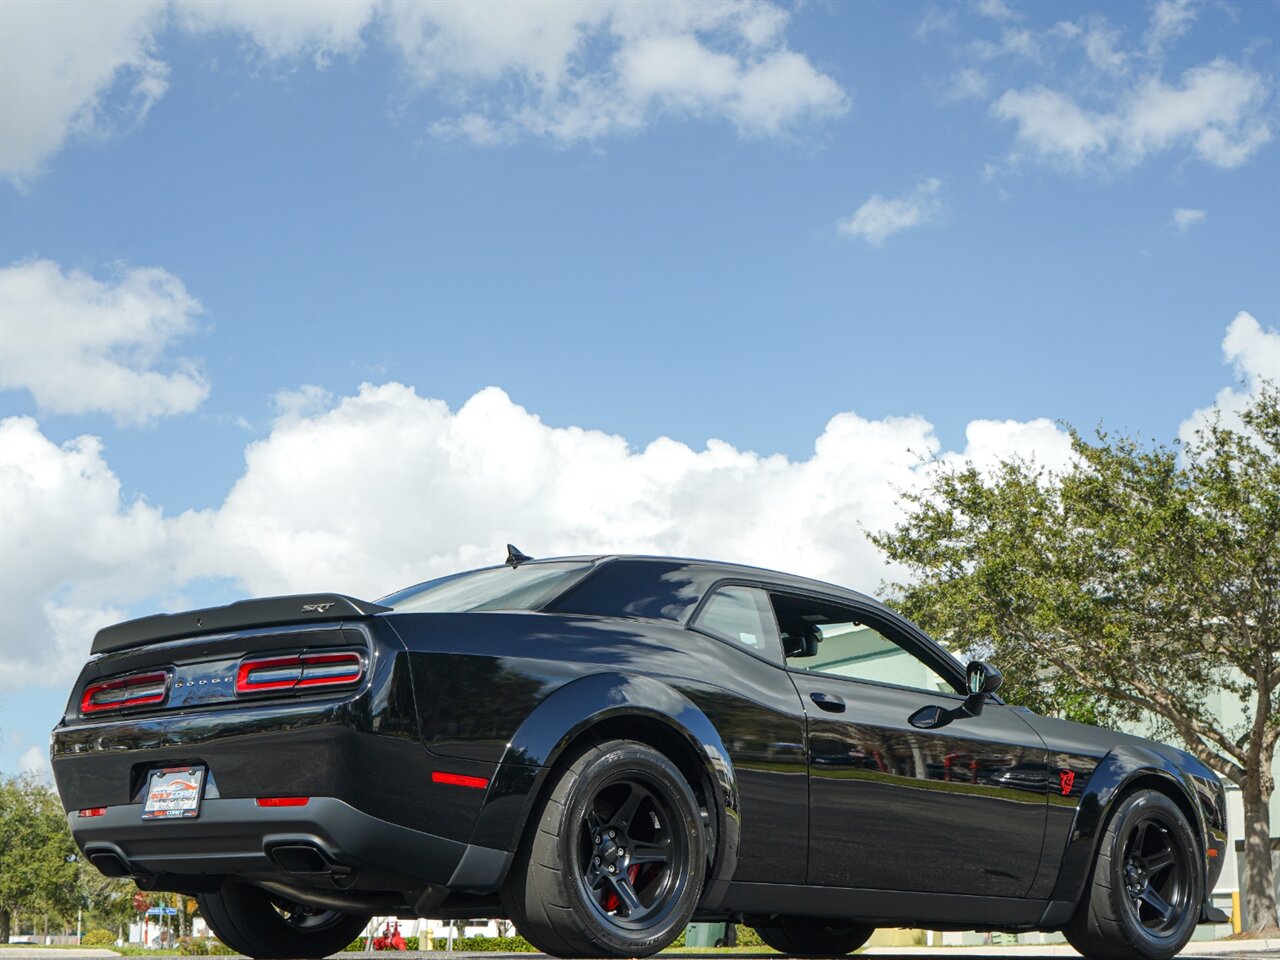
[828, 702]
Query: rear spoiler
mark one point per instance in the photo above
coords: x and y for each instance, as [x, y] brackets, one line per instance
[243, 614]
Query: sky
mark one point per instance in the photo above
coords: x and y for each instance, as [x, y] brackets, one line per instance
[344, 295]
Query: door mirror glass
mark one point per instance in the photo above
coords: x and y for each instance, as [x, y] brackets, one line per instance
[983, 680]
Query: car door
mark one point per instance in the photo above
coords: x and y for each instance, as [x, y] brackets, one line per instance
[959, 809]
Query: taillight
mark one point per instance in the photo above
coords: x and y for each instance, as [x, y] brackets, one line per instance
[93, 812]
[131, 691]
[282, 801]
[299, 671]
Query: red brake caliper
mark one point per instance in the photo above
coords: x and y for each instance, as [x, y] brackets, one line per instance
[613, 901]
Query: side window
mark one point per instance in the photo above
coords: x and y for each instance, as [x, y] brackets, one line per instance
[822, 638]
[743, 617]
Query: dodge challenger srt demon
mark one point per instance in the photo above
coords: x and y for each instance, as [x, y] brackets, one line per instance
[604, 748]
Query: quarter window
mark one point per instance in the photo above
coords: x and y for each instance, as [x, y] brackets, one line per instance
[743, 617]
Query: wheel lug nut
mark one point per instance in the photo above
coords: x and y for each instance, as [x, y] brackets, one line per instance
[612, 834]
[596, 840]
[596, 861]
[612, 868]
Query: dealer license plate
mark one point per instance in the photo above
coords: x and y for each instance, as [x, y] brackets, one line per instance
[173, 792]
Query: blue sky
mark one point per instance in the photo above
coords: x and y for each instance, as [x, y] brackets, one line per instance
[729, 223]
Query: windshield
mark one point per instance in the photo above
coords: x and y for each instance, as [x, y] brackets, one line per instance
[526, 587]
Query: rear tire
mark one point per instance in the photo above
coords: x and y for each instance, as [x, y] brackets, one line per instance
[613, 861]
[813, 937]
[1142, 901]
[267, 926]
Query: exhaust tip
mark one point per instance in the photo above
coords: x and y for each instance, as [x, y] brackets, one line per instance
[302, 858]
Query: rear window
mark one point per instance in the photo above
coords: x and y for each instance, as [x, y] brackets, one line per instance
[526, 587]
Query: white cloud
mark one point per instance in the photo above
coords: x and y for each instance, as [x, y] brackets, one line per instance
[308, 399]
[1254, 355]
[567, 71]
[1185, 218]
[1218, 111]
[1052, 125]
[35, 761]
[988, 442]
[299, 519]
[935, 20]
[1119, 105]
[285, 28]
[72, 70]
[603, 68]
[73, 552]
[1015, 42]
[1101, 46]
[968, 84]
[996, 10]
[79, 344]
[1170, 19]
[881, 217]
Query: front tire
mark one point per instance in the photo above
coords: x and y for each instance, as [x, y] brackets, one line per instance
[812, 937]
[614, 860]
[267, 926]
[1143, 898]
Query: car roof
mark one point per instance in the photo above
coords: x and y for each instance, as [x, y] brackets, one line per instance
[726, 570]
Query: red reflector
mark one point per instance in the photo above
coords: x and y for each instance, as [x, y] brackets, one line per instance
[282, 801]
[93, 811]
[1213, 854]
[459, 780]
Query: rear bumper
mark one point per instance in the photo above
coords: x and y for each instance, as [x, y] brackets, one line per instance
[325, 838]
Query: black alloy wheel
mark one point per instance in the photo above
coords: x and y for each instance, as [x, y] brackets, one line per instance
[630, 858]
[613, 861]
[1143, 897]
[1156, 874]
[268, 926]
[813, 937]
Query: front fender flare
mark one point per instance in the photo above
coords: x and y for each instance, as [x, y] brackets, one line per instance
[1116, 772]
[573, 709]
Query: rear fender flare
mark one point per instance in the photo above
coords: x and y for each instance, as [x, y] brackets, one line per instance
[572, 710]
[1116, 772]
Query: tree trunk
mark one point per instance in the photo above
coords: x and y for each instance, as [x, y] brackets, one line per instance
[5, 926]
[1259, 873]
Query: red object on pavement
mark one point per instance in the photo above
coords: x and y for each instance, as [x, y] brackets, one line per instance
[390, 938]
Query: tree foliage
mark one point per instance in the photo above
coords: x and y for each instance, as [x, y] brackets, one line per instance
[35, 874]
[1140, 583]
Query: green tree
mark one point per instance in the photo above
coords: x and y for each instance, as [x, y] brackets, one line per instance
[1141, 582]
[34, 846]
[108, 901]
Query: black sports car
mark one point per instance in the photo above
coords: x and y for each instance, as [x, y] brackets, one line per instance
[603, 748]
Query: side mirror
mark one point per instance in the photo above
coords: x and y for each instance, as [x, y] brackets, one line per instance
[984, 680]
[930, 718]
